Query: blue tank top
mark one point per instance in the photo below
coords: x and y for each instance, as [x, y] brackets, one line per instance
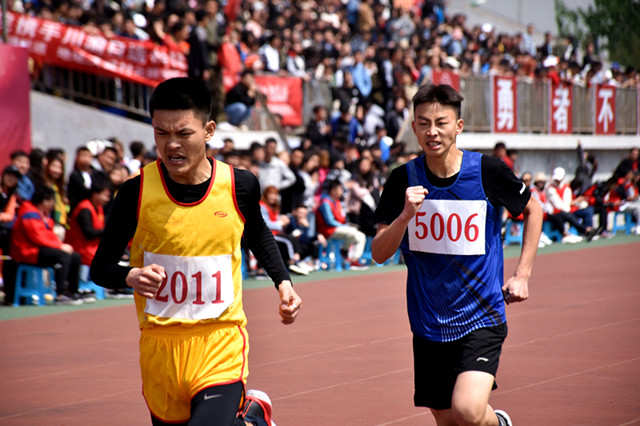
[453, 252]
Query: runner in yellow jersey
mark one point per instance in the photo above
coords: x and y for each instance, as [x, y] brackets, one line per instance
[185, 216]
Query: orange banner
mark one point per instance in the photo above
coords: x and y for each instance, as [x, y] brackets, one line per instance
[68, 46]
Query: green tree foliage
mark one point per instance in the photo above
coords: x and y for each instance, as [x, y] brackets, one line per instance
[612, 25]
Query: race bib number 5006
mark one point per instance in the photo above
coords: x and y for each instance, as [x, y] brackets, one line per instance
[198, 287]
[449, 227]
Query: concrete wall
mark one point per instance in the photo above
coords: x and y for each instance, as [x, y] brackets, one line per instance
[542, 153]
[57, 122]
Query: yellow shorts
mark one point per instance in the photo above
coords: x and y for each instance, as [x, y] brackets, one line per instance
[179, 362]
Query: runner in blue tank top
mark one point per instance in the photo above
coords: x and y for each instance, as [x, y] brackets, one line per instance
[441, 209]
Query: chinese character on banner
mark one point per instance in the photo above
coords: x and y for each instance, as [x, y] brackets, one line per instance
[561, 109]
[605, 109]
[446, 77]
[505, 105]
[74, 48]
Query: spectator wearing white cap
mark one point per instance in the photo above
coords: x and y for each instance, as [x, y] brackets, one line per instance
[567, 209]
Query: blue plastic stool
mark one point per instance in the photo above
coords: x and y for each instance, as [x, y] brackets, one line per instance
[628, 223]
[30, 282]
[366, 258]
[86, 284]
[511, 237]
[553, 234]
[331, 255]
[243, 267]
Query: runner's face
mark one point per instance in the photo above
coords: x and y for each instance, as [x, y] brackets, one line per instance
[436, 128]
[181, 141]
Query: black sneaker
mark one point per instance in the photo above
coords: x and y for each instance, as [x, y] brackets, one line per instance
[257, 406]
[69, 299]
[121, 293]
[87, 296]
[503, 418]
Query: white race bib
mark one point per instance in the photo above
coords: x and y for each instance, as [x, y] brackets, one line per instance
[197, 287]
[449, 227]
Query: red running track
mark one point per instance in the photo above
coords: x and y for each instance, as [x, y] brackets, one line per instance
[572, 356]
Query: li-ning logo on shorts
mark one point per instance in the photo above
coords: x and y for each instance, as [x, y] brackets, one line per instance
[220, 213]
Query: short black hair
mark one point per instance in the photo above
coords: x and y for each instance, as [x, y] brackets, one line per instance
[82, 148]
[182, 93]
[332, 184]
[442, 94]
[42, 193]
[99, 183]
[16, 154]
[136, 148]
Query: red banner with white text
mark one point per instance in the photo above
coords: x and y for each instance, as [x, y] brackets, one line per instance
[505, 104]
[605, 109]
[284, 95]
[447, 77]
[15, 123]
[561, 109]
[68, 46]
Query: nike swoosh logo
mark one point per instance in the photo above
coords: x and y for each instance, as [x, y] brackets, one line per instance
[524, 186]
[483, 359]
[215, 395]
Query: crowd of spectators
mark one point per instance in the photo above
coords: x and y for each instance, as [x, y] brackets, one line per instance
[310, 196]
[571, 206]
[374, 54]
[371, 52]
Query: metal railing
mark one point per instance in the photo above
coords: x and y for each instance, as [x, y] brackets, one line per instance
[131, 99]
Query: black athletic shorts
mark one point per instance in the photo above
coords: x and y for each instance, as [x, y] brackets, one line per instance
[437, 364]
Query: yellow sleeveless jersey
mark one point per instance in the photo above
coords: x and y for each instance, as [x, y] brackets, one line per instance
[198, 245]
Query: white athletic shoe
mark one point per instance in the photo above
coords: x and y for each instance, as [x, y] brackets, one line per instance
[503, 418]
[571, 239]
[257, 404]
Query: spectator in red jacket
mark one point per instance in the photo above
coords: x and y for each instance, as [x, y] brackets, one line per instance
[87, 221]
[33, 241]
[332, 223]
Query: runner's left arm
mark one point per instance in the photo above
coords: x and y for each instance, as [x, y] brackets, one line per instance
[257, 234]
[262, 244]
[503, 188]
[119, 230]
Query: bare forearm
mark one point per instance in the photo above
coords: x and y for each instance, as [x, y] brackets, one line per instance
[530, 238]
[388, 239]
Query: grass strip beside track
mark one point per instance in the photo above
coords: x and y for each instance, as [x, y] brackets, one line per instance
[9, 312]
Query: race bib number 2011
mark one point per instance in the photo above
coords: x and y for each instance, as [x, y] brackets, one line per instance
[449, 227]
[198, 287]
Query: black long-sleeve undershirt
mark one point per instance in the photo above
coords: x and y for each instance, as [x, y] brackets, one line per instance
[122, 223]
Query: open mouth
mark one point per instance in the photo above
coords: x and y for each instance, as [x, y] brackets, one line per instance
[176, 158]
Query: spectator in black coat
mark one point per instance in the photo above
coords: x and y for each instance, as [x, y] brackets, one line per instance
[241, 98]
